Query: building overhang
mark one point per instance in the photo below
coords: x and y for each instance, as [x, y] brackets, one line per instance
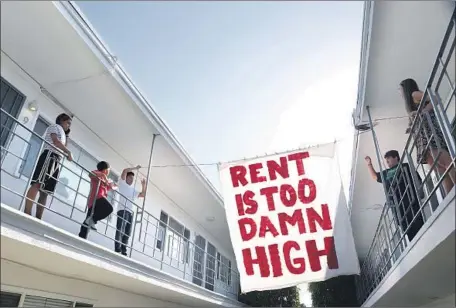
[51, 42]
[401, 39]
[37, 244]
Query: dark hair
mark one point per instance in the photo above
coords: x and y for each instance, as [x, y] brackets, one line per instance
[102, 165]
[408, 87]
[62, 118]
[392, 154]
[130, 173]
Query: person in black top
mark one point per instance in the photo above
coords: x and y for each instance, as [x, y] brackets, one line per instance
[402, 195]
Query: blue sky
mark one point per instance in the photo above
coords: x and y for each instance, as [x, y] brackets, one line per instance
[239, 79]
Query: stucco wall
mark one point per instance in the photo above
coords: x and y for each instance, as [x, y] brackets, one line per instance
[83, 137]
[16, 277]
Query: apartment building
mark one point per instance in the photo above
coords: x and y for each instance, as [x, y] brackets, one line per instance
[179, 254]
[405, 39]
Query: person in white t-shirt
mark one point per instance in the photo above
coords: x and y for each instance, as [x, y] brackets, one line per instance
[47, 169]
[125, 210]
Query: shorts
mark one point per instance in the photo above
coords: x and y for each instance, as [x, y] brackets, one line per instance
[47, 171]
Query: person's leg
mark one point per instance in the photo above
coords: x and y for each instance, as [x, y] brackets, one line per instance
[119, 230]
[31, 196]
[415, 226]
[127, 232]
[41, 204]
[38, 177]
[102, 209]
[443, 162]
[50, 182]
[84, 228]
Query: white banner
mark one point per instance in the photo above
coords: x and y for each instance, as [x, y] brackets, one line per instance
[288, 219]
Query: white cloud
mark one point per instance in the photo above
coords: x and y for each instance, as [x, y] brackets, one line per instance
[320, 114]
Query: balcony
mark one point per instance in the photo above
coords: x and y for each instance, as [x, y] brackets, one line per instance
[160, 244]
[175, 254]
[410, 261]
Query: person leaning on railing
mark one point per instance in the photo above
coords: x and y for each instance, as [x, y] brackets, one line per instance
[98, 205]
[408, 206]
[125, 210]
[412, 97]
[44, 178]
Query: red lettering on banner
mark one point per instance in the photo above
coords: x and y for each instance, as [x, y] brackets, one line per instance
[275, 260]
[295, 219]
[285, 222]
[324, 220]
[288, 195]
[247, 199]
[272, 259]
[254, 173]
[298, 157]
[261, 260]
[295, 266]
[247, 235]
[269, 192]
[300, 262]
[266, 225]
[329, 251]
[274, 168]
[306, 199]
[238, 174]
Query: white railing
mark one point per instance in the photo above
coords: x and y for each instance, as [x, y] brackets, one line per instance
[151, 241]
[413, 197]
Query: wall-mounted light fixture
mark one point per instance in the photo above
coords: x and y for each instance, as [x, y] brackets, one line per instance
[55, 100]
[32, 105]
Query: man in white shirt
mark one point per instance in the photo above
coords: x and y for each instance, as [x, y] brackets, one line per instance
[125, 210]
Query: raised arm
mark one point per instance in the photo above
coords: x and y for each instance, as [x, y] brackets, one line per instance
[123, 176]
[374, 174]
[142, 194]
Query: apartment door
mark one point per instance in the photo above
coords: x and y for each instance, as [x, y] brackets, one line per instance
[11, 102]
[33, 147]
[210, 266]
[198, 260]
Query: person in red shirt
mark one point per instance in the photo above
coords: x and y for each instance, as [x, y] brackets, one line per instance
[97, 201]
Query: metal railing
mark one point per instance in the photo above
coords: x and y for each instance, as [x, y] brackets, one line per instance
[414, 192]
[150, 240]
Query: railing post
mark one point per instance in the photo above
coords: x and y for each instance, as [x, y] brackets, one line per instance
[377, 153]
[443, 122]
[139, 212]
[186, 250]
[29, 181]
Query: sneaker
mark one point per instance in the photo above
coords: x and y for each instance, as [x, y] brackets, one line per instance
[124, 253]
[90, 223]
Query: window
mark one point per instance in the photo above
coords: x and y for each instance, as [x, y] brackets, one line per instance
[174, 238]
[223, 269]
[9, 299]
[210, 266]
[161, 230]
[38, 301]
[33, 148]
[82, 305]
[11, 102]
[198, 260]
